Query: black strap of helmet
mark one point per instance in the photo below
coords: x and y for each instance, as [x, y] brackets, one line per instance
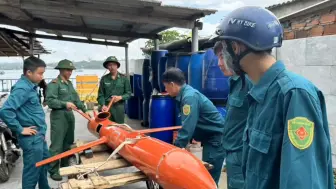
[236, 61]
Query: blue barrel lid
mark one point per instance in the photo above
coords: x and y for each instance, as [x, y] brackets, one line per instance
[197, 52]
[183, 54]
[172, 54]
[161, 96]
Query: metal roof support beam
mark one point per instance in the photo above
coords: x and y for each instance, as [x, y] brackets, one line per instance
[31, 45]
[18, 39]
[156, 44]
[79, 29]
[194, 36]
[126, 61]
[10, 45]
[111, 15]
[61, 38]
[3, 53]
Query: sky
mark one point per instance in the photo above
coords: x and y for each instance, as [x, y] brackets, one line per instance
[80, 51]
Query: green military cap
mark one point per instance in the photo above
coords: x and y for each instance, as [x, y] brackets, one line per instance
[65, 64]
[111, 59]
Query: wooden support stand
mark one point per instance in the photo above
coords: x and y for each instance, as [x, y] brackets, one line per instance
[93, 181]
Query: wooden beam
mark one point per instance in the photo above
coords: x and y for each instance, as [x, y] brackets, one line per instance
[18, 39]
[3, 53]
[11, 45]
[92, 12]
[105, 182]
[41, 25]
[78, 169]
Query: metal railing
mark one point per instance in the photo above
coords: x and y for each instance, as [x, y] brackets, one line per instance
[6, 84]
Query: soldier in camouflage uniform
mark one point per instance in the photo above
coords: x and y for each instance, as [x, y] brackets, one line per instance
[62, 98]
[114, 85]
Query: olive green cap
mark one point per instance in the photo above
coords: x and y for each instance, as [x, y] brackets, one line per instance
[111, 59]
[65, 64]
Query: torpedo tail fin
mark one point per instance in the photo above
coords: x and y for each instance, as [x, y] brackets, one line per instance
[72, 151]
[146, 131]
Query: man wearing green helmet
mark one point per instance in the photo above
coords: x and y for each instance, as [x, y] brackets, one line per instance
[114, 85]
[62, 98]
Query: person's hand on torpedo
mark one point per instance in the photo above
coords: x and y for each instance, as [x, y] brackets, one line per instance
[71, 106]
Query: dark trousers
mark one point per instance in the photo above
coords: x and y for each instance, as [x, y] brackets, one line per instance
[235, 179]
[62, 135]
[214, 155]
[35, 149]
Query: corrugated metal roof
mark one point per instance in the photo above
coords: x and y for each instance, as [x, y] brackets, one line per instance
[18, 45]
[121, 20]
[282, 4]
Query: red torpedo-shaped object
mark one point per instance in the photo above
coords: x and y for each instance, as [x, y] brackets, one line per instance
[171, 167]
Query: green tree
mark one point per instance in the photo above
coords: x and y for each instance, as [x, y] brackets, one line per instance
[167, 36]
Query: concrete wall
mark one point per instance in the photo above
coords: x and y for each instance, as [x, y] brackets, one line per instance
[315, 59]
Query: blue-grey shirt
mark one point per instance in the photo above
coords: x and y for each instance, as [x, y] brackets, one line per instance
[286, 141]
[200, 118]
[23, 108]
[236, 116]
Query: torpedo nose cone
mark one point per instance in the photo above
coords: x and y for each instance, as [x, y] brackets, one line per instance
[179, 169]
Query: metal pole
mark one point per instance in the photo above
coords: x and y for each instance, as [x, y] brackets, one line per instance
[31, 45]
[194, 39]
[156, 44]
[126, 61]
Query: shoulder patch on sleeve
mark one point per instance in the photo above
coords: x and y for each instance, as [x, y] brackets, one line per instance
[186, 109]
[301, 132]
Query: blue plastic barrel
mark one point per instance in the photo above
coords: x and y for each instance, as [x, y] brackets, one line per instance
[182, 63]
[145, 83]
[140, 104]
[222, 110]
[195, 70]
[155, 58]
[171, 60]
[137, 88]
[215, 84]
[131, 83]
[145, 111]
[162, 114]
[161, 70]
[132, 107]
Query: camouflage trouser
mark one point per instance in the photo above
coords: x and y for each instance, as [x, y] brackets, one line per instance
[62, 135]
[118, 113]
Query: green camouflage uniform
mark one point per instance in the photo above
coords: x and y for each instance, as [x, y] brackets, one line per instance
[108, 87]
[62, 120]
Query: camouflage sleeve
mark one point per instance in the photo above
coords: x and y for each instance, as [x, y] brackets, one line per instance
[128, 91]
[101, 97]
[52, 97]
[80, 105]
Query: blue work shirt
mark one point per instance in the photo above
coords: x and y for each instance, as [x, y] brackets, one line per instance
[286, 141]
[23, 108]
[200, 118]
[236, 116]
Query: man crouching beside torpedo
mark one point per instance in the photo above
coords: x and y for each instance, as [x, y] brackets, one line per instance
[200, 120]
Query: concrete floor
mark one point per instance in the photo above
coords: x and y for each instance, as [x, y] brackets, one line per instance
[83, 134]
